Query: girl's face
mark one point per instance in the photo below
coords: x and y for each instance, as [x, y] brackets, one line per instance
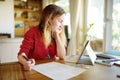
[57, 23]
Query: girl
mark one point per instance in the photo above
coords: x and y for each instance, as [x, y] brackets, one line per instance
[46, 40]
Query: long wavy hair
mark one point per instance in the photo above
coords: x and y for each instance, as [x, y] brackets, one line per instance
[50, 12]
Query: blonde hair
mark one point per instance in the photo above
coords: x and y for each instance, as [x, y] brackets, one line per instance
[50, 12]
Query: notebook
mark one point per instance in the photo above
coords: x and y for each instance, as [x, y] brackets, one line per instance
[83, 59]
[105, 56]
[106, 59]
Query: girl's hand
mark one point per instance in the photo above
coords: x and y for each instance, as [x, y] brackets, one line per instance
[28, 64]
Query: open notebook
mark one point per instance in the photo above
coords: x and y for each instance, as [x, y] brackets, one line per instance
[83, 59]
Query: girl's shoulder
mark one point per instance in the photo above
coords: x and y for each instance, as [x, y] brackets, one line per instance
[34, 28]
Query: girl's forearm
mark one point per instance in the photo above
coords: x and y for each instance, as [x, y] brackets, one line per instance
[61, 51]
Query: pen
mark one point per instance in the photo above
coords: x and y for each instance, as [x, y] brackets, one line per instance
[25, 58]
[118, 76]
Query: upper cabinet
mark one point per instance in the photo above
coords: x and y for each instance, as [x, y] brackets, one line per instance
[26, 15]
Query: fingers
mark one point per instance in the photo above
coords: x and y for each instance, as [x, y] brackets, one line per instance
[32, 61]
[28, 64]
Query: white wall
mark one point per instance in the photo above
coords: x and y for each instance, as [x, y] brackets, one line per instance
[9, 48]
[7, 17]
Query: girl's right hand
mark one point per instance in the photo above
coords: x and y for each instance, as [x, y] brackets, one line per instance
[28, 64]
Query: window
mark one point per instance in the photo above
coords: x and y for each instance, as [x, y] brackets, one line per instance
[116, 25]
[108, 30]
[95, 17]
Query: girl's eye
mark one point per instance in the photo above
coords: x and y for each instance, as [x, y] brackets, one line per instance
[60, 21]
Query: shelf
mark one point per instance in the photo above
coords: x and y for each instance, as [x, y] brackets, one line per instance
[27, 10]
[21, 19]
[20, 9]
[19, 32]
[26, 15]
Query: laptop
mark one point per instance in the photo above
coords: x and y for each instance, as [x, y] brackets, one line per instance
[89, 58]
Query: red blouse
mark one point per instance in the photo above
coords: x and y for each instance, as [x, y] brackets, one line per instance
[33, 45]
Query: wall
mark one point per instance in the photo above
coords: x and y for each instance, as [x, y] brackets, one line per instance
[9, 48]
[7, 17]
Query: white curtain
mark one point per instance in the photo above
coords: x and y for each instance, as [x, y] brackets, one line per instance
[78, 27]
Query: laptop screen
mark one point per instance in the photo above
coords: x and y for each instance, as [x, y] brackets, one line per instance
[90, 59]
[84, 47]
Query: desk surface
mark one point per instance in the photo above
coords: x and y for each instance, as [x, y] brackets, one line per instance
[14, 71]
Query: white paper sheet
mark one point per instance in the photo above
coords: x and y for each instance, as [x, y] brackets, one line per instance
[58, 71]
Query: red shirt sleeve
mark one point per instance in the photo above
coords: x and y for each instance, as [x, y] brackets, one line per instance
[27, 43]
